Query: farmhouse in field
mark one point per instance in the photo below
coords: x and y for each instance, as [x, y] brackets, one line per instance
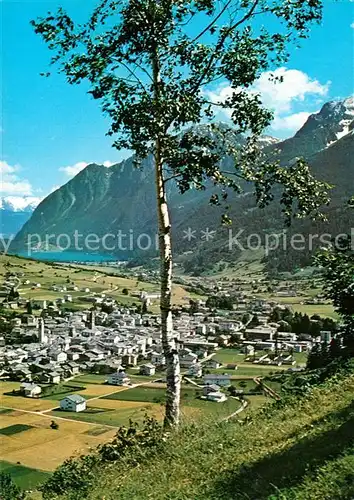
[118, 378]
[73, 403]
[30, 390]
[217, 397]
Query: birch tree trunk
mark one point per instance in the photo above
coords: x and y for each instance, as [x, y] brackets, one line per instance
[173, 377]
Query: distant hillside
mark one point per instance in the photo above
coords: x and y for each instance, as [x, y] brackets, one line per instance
[120, 198]
[298, 449]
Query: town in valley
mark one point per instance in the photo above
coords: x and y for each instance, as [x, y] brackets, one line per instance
[81, 350]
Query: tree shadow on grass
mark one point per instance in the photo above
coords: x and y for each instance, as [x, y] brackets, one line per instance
[286, 469]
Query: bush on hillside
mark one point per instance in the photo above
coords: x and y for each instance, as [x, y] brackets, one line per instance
[8, 489]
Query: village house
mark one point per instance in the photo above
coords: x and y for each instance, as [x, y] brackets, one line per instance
[30, 390]
[217, 397]
[130, 359]
[260, 333]
[195, 370]
[74, 403]
[248, 350]
[58, 356]
[212, 363]
[219, 379]
[187, 359]
[118, 378]
[210, 388]
[158, 359]
[147, 369]
[50, 378]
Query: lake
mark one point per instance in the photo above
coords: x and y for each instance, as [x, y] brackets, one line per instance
[68, 256]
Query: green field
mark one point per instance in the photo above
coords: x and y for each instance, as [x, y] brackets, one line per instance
[216, 410]
[97, 280]
[11, 430]
[226, 356]
[24, 477]
[246, 384]
[150, 394]
[3, 411]
[90, 378]
[58, 392]
[296, 304]
[189, 398]
[107, 416]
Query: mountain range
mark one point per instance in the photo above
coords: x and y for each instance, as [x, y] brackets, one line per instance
[121, 198]
[15, 211]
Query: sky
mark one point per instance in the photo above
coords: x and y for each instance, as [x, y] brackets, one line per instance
[51, 130]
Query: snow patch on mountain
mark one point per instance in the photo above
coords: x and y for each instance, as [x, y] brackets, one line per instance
[19, 203]
[267, 140]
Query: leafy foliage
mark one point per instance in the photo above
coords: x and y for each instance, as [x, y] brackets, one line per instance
[8, 489]
[124, 45]
[151, 73]
[300, 323]
[337, 262]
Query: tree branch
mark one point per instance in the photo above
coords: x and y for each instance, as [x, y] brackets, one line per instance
[226, 172]
[132, 73]
[175, 176]
[220, 45]
[211, 24]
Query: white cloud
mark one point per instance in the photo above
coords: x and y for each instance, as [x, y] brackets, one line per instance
[296, 89]
[18, 203]
[279, 96]
[11, 183]
[352, 25]
[290, 122]
[73, 170]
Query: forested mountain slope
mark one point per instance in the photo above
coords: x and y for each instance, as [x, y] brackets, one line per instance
[103, 200]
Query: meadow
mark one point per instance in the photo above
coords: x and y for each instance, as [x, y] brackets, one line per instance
[96, 279]
[247, 369]
[38, 446]
[25, 477]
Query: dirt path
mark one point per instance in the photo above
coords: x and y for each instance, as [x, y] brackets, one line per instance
[244, 405]
[42, 414]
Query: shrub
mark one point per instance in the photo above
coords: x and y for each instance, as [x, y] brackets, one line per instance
[8, 489]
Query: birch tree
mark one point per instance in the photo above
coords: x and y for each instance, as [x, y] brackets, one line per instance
[152, 64]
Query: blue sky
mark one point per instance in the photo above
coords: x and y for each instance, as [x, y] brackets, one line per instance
[50, 130]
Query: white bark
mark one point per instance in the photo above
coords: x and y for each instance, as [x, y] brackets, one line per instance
[173, 377]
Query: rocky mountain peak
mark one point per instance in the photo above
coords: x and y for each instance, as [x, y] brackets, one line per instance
[331, 123]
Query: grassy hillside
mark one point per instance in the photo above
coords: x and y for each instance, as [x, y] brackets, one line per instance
[98, 280]
[303, 449]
